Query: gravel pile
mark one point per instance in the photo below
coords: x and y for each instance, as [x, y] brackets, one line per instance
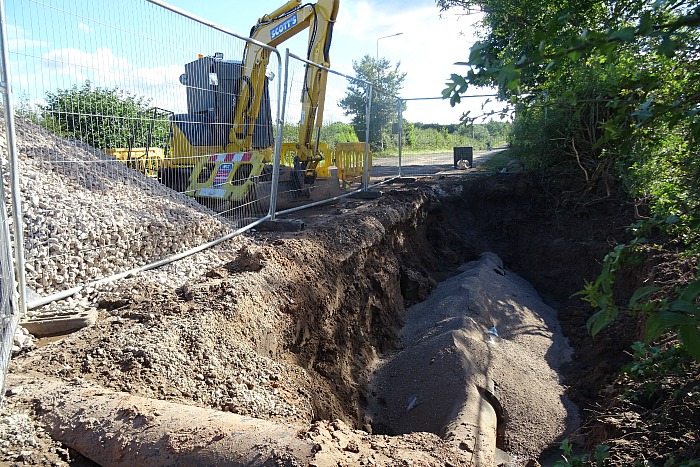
[22, 340]
[87, 216]
[19, 428]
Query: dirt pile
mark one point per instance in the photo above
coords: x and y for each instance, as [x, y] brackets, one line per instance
[481, 335]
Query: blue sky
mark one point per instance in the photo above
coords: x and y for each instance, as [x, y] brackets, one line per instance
[68, 36]
[427, 49]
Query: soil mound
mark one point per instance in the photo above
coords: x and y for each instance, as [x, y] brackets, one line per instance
[481, 335]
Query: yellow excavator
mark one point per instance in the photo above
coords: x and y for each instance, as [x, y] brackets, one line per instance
[222, 147]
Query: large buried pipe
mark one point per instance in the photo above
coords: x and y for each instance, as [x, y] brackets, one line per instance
[118, 429]
[438, 386]
[483, 338]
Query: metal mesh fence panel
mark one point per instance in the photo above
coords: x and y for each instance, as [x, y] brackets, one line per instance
[318, 134]
[384, 134]
[432, 145]
[125, 114]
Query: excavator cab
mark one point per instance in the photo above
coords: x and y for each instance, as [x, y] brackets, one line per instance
[223, 146]
[212, 84]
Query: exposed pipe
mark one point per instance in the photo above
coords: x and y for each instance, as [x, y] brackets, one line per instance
[118, 429]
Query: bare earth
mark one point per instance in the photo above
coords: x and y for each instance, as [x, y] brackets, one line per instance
[330, 346]
[289, 328]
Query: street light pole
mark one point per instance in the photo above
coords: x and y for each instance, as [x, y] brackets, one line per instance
[384, 37]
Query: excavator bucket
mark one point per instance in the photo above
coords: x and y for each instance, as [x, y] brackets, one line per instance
[293, 191]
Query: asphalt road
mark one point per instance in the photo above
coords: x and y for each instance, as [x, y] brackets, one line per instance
[423, 164]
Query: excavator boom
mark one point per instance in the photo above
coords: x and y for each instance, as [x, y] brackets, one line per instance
[273, 29]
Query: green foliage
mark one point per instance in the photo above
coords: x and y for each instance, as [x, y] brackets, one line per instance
[387, 82]
[338, 132]
[652, 361]
[103, 118]
[617, 81]
[677, 312]
[24, 109]
[606, 93]
[433, 136]
[498, 161]
[572, 460]
[333, 133]
[421, 137]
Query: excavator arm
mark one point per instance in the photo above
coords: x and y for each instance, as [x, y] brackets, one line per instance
[218, 157]
[273, 29]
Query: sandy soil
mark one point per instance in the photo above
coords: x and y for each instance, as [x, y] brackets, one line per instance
[289, 328]
[484, 328]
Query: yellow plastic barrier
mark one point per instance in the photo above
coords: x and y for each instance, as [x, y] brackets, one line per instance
[349, 158]
[139, 159]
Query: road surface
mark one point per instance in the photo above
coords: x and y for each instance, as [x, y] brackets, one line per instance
[424, 164]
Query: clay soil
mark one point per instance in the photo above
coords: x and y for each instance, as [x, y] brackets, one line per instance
[287, 326]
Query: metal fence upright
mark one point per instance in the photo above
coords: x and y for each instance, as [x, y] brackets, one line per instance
[10, 311]
[274, 190]
[12, 153]
[400, 104]
[365, 177]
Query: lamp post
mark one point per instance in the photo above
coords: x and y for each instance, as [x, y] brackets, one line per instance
[384, 37]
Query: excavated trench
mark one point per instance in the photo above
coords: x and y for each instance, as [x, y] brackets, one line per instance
[336, 320]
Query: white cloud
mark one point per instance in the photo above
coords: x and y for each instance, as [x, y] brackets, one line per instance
[84, 27]
[427, 49]
[18, 39]
[78, 63]
[103, 68]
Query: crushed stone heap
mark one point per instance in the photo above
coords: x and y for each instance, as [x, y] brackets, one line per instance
[87, 216]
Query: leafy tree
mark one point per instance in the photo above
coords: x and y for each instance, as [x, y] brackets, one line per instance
[478, 132]
[387, 83]
[333, 133]
[101, 117]
[606, 93]
[25, 109]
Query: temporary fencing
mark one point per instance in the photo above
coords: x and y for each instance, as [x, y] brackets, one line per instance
[110, 109]
[10, 312]
[92, 84]
[416, 148]
[343, 161]
[384, 131]
[121, 124]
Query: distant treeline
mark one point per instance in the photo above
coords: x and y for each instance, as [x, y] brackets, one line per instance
[417, 136]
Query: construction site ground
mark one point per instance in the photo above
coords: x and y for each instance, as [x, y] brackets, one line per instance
[296, 329]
